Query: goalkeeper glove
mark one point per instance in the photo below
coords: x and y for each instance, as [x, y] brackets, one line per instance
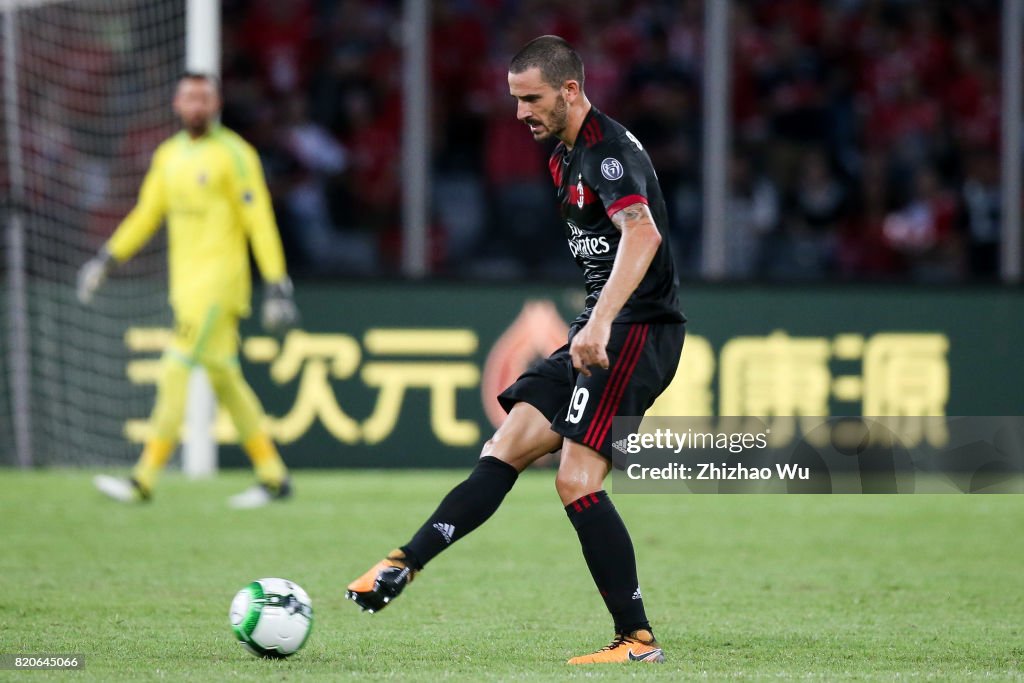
[92, 274]
[279, 312]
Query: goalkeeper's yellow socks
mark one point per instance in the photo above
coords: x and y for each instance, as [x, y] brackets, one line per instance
[270, 469]
[154, 456]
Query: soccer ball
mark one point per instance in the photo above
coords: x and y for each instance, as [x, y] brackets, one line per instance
[272, 617]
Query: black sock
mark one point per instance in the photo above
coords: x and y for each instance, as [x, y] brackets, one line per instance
[466, 507]
[608, 551]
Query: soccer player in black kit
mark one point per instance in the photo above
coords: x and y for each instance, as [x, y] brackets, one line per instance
[622, 353]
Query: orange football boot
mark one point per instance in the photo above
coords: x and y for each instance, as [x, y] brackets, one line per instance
[382, 583]
[638, 646]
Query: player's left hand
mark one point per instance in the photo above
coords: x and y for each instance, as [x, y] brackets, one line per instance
[279, 312]
[590, 347]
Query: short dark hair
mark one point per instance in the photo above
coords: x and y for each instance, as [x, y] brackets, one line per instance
[201, 76]
[557, 60]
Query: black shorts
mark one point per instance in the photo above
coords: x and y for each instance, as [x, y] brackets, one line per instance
[642, 360]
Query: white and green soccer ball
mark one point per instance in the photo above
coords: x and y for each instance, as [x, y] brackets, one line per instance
[272, 617]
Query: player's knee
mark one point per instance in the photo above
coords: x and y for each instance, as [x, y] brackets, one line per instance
[497, 448]
[167, 417]
[173, 371]
[220, 378]
[568, 486]
[166, 425]
[575, 479]
[508, 450]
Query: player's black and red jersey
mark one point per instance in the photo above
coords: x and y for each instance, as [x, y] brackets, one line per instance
[606, 171]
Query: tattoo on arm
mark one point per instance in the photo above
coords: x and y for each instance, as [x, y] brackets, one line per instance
[632, 216]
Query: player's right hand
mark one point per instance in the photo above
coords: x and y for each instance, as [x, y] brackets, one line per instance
[91, 276]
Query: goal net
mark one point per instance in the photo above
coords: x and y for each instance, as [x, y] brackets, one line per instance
[90, 103]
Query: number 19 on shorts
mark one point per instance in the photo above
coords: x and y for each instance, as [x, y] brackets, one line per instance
[578, 402]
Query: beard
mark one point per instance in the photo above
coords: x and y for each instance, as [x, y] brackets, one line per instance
[559, 117]
[557, 121]
[196, 126]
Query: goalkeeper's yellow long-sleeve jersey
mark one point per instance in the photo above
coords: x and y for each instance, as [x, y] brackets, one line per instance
[212, 192]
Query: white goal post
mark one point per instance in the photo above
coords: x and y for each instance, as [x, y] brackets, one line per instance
[199, 448]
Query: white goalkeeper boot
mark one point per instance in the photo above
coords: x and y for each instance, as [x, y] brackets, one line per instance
[121, 489]
[258, 495]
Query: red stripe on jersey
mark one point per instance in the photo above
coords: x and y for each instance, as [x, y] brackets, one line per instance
[612, 381]
[594, 129]
[588, 137]
[628, 200]
[594, 498]
[588, 195]
[586, 503]
[621, 390]
[576, 506]
[555, 164]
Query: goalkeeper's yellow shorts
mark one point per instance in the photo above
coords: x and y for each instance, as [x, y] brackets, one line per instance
[209, 339]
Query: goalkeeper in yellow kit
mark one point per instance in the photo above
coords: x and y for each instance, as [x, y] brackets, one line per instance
[206, 181]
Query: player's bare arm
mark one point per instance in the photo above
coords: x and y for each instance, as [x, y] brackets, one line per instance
[639, 244]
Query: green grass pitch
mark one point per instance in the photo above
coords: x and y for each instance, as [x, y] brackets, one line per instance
[738, 587]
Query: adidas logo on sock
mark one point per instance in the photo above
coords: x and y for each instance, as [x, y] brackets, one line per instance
[446, 530]
[636, 595]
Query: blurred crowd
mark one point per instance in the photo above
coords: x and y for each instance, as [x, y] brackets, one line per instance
[866, 140]
[865, 133]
